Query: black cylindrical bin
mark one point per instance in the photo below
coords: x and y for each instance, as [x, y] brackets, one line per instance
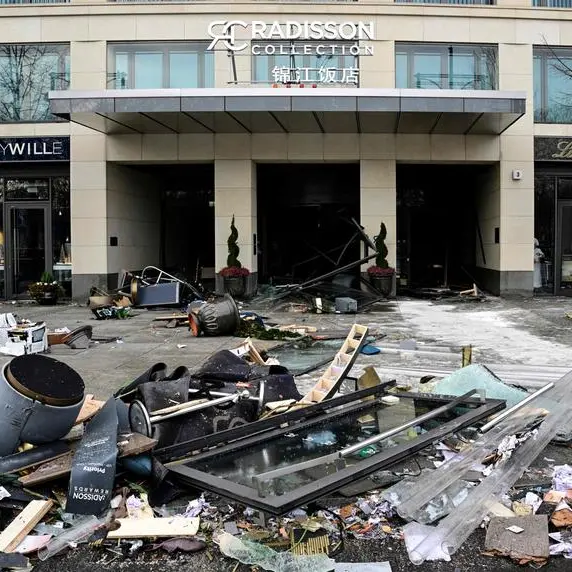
[40, 399]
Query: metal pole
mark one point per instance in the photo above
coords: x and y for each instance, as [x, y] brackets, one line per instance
[200, 406]
[430, 415]
[359, 446]
[514, 408]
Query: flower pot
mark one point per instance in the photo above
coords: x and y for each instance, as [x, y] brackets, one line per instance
[235, 286]
[382, 283]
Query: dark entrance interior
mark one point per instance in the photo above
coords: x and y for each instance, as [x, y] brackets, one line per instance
[304, 220]
[437, 224]
[187, 218]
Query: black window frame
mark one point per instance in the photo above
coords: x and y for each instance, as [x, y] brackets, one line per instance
[278, 505]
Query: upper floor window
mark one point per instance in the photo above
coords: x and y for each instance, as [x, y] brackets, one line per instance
[154, 65]
[27, 73]
[445, 66]
[306, 62]
[552, 73]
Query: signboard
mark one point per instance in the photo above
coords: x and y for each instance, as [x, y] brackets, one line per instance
[18, 149]
[553, 148]
[308, 38]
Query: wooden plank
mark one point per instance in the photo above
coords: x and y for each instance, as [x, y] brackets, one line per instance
[532, 543]
[155, 527]
[172, 317]
[89, 408]
[135, 445]
[17, 530]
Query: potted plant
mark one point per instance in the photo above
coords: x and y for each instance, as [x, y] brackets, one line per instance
[381, 275]
[234, 274]
[46, 291]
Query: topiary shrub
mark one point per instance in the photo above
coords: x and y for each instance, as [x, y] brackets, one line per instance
[381, 267]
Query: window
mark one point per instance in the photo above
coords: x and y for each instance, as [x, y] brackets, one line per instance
[27, 73]
[295, 62]
[151, 65]
[445, 66]
[552, 85]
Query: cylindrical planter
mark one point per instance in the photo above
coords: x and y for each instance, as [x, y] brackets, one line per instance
[382, 283]
[40, 400]
[235, 286]
[220, 318]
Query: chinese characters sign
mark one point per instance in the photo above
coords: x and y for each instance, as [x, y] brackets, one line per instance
[287, 75]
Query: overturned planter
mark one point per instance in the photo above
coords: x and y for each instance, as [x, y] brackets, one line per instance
[40, 400]
[219, 318]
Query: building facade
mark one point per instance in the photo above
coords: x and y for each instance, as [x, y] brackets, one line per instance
[132, 133]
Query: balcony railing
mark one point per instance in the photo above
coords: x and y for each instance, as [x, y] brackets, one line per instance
[457, 2]
[456, 81]
[552, 3]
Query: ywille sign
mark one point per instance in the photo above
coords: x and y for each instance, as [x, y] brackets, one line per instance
[17, 149]
[226, 31]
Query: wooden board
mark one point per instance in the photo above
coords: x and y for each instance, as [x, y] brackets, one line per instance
[530, 544]
[155, 527]
[89, 408]
[17, 530]
[169, 318]
[61, 467]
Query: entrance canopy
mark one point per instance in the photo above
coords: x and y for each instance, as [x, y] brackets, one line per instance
[294, 110]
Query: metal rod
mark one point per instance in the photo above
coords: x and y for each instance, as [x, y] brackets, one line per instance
[200, 406]
[514, 408]
[416, 421]
[325, 459]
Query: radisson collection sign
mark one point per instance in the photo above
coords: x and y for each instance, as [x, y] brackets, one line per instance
[308, 38]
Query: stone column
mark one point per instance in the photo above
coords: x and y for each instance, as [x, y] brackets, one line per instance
[517, 176]
[378, 70]
[235, 195]
[88, 177]
[378, 198]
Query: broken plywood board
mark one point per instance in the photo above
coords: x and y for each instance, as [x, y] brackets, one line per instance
[529, 545]
[154, 527]
[18, 529]
[89, 408]
[134, 445]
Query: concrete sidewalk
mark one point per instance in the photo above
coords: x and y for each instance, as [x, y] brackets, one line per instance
[531, 332]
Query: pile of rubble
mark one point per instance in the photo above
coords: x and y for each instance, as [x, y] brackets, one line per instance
[232, 457]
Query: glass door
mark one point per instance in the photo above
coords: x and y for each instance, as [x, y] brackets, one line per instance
[29, 248]
[563, 271]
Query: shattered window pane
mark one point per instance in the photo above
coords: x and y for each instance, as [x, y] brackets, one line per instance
[254, 466]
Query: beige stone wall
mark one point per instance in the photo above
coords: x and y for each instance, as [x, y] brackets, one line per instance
[134, 217]
[88, 25]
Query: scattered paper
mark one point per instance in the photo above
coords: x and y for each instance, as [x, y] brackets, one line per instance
[4, 493]
[533, 500]
[515, 529]
[562, 478]
[562, 516]
[181, 346]
[554, 497]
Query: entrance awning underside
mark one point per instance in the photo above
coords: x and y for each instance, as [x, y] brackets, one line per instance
[295, 110]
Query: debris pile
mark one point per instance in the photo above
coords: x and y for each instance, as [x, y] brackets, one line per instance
[234, 457]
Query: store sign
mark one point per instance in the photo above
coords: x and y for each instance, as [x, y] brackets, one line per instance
[286, 75]
[17, 149]
[553, 148]
[257, 31]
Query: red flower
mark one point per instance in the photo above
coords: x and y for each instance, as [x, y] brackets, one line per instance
[379, 272]
[234, 272]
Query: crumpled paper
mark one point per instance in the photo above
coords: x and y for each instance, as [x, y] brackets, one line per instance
[249, 552]
[562, 478]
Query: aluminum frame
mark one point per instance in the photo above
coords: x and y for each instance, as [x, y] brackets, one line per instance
[252, 431]
[278, 505]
